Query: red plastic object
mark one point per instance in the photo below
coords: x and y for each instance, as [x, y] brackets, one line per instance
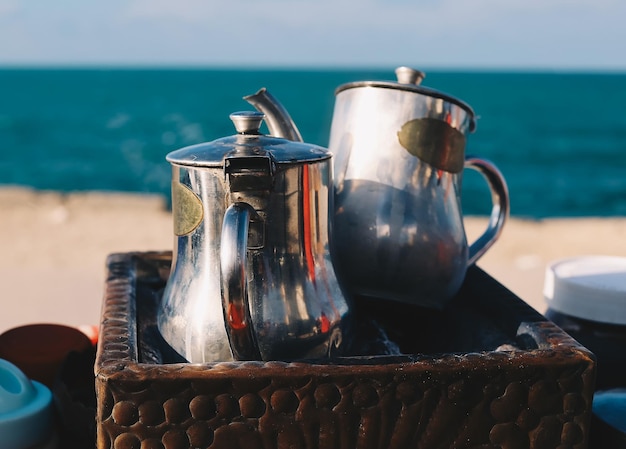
[40, 349]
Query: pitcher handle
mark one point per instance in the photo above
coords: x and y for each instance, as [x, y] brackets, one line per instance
[233, 249]
[499, 211]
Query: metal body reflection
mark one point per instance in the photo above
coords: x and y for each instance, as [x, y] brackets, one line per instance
[254, 279]
[399, 154]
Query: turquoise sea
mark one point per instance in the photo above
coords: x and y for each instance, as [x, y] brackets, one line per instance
[558, 138]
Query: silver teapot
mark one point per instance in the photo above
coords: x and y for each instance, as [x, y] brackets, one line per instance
[251, 276]
[399, 155]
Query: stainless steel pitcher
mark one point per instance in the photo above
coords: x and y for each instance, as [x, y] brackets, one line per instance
[251, 274]
[399, 154]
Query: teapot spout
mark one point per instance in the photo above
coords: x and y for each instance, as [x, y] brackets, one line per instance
[278, 120]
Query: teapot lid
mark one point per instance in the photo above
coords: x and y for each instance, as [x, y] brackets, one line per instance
[248, 141]
[409, 80]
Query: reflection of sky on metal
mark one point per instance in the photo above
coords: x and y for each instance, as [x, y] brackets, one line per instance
[431, 33]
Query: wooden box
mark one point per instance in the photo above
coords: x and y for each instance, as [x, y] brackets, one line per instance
[487, 372]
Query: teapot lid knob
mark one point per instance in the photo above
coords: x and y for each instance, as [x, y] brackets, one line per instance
[247, 122]
[407, 75]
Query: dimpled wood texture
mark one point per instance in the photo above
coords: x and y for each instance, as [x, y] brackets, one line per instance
[535, 393]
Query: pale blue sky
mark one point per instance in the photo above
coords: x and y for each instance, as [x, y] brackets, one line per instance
[529, 34]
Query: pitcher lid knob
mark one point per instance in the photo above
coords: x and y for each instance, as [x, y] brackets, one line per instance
[247, 122]
[407, 75]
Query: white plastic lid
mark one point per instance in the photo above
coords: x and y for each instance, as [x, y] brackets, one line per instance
[26, 413]
[588, 287]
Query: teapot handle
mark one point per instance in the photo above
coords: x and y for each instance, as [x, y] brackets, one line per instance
[233, 249]
[499, 211]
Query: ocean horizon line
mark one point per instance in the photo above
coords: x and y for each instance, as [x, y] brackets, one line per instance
[558, 139]
[531, 70]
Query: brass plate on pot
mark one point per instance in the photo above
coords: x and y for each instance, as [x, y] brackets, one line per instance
[435, 142]
[186, 209]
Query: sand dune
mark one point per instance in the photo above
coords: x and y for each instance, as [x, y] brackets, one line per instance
[54, 248]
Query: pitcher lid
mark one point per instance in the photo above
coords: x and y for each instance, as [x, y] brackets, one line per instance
[247, 141]
[409, 79]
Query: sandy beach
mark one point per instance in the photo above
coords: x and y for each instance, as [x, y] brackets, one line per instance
[54, 248]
